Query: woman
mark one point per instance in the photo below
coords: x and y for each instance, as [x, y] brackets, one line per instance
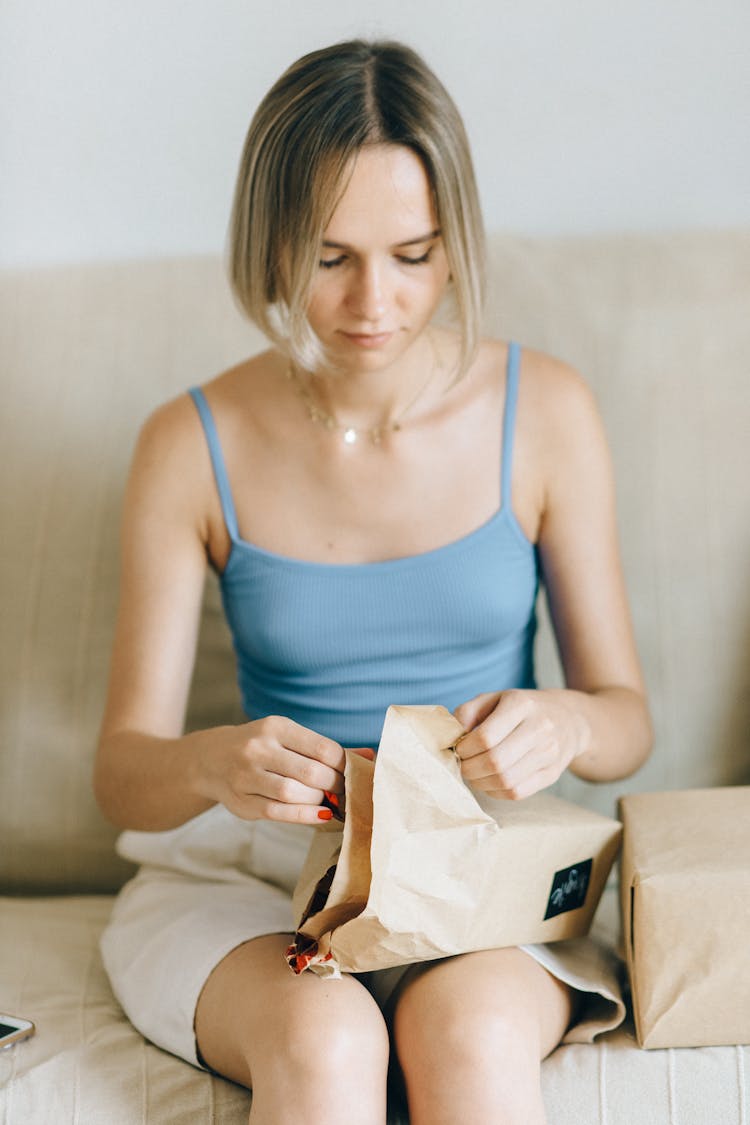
[378, 495]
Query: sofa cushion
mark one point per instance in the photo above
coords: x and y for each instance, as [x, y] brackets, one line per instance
[86, 1063]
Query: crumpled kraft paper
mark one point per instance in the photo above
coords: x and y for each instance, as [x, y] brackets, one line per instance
[421, 869]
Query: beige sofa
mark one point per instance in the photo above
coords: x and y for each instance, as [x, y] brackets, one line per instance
[660, 326]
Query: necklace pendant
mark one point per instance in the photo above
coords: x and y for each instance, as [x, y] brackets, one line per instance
[330, 422]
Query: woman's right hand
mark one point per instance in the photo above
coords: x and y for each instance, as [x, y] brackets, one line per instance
[271, 769]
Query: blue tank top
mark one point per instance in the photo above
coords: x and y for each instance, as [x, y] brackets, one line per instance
[332, 645]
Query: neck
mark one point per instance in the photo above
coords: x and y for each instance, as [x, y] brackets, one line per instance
[378, 398]
[369, 405]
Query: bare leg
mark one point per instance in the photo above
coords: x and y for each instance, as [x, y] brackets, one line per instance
[310, 1049]
[471, 1032]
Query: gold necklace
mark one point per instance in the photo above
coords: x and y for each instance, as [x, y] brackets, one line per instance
[351, 434]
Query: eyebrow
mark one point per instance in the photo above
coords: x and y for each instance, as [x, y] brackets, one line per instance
[397, 245]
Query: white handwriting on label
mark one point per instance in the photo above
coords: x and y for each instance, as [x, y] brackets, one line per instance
[574, 883]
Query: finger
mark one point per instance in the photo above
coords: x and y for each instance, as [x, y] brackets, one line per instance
[475, 710]
[286, 790]
[297, 814]
[498, 760]
[255, 806]
[507, 714]
[512, 782]
[534, 783]
[308, 775]
[312, 745]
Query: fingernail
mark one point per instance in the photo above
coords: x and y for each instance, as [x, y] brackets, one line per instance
[324, 814]
[332, 802]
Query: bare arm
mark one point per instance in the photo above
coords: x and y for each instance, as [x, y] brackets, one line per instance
[599, 725]
[148, 774]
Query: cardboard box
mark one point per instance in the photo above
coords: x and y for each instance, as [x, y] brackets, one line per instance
[685, 893]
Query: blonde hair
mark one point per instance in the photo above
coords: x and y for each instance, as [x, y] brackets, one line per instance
[314, 119]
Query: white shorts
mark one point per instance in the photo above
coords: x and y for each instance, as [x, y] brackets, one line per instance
[205, 888]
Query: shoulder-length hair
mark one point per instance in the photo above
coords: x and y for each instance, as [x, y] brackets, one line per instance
[314, 119]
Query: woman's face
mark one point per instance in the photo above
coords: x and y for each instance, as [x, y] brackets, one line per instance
[383, 268]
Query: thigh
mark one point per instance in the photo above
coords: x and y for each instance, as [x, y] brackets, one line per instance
[470, 1034]
[496, 989]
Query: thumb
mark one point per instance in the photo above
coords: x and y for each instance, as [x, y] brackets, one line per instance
[476, 710]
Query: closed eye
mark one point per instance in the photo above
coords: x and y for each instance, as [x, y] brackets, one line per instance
[329, 263]
[415, 261]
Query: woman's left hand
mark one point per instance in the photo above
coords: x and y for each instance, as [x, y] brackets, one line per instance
[517, 742]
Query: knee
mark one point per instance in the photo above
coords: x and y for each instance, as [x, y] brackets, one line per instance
[469, 1035]
[483, 1051]
[320, 1055]
[346, 1038]
[479, 1038]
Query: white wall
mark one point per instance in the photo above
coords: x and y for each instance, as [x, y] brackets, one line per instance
[121, 121]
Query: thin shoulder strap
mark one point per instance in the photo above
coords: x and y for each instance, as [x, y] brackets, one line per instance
[509, 421]
[217, 460]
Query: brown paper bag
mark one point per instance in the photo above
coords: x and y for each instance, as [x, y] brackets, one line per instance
[420, 869]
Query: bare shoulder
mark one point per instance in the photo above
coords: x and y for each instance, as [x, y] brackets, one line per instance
[172, 436]
[172, 478]
[165, 482]
[550, 384]
[554, 385]
[564, 442]
[559, 437]
[555, 403]
[168, 428]
[247, 386]
[169, 451]
[557, 408]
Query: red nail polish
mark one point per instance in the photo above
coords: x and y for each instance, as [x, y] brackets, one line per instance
[324, 814]
[332, 798]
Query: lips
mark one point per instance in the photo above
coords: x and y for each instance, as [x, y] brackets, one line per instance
[368, 339]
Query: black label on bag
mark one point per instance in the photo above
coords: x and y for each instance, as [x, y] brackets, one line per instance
[569, 888]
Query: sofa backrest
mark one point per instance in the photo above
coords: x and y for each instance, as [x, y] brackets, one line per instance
[659, 325]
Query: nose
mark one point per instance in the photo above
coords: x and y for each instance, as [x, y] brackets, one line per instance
[367, 297]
